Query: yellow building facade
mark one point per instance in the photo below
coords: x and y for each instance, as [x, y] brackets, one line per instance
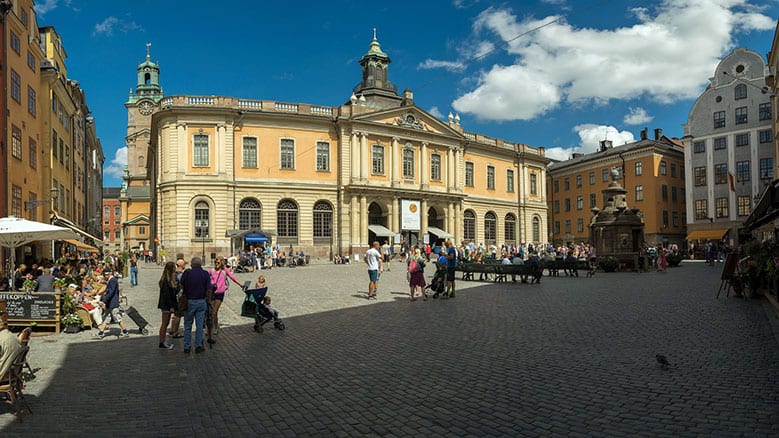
[328, 180]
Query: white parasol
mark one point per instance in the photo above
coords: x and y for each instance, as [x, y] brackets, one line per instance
[15, 232]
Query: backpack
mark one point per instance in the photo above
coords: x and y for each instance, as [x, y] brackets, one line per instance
[413, 266]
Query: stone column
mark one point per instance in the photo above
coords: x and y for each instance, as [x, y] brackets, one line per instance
[354, 221]
[363, 220]
[458, 157]
[354, 152]
[184, 155]
[422, 218]
[423, 167]
[395, 223]
[364, 157]
[398, 160]
[392, 162]
[450, 170]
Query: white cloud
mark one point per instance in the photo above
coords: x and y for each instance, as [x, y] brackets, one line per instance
[116, 167]
[49, 5]
[590, 136]
[561, 64]
[448, 65]
[109, 24]
[637, 116]
[435, 112]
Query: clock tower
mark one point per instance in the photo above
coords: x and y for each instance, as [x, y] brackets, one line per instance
[135, 194]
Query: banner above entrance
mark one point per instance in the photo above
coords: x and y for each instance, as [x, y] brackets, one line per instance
[410, 215]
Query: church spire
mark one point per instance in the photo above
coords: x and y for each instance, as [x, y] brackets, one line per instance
[148, 85]
[375, 85]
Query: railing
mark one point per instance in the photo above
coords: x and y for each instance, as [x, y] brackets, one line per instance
[250, 104]
[287, 107]
[195, 100]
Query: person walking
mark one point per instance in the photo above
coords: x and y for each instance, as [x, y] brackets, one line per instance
[110, 303]
[373, 259]
[175, 320]
[133, 272]
[416, 275]
[451, 265]
[167, 303]
[196, 284]
[219, 278]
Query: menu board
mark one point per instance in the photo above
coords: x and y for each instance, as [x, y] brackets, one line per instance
[34, 306]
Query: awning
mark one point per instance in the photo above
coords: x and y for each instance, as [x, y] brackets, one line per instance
[381, 230]
[441, 234]
[81, 246]
[66, 223]
[707, 234]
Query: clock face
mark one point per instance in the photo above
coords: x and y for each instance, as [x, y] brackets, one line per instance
[410, 119]
[145, 108]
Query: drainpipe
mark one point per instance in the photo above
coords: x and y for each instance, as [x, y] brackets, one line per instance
[5, 7]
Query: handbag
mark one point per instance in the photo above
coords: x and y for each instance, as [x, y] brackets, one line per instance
[182, 302]
[249, 306]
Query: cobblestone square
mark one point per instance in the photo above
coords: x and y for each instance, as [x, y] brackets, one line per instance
[571, 356]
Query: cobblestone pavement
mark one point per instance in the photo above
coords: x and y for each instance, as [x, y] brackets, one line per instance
[571, 356]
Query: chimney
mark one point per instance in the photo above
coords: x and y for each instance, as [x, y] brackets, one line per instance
[644, 133]
[658, 133]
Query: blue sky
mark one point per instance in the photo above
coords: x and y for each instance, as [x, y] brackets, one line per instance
[554, 73]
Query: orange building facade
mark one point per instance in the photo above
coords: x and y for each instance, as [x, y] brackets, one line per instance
[653, 175]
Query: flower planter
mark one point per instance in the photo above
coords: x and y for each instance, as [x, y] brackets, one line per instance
[71, 328]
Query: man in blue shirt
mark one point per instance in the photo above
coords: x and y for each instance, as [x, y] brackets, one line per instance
[451, 265]
[196, 284]
[110, 304]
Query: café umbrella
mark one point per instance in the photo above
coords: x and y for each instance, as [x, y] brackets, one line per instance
[15, 232]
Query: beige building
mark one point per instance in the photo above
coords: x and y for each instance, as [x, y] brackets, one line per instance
[231, 172]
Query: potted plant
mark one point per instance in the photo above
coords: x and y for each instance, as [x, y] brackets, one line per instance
[60, 283]
[609, 264]
[72, 323]
[29, 283]
[674, 258]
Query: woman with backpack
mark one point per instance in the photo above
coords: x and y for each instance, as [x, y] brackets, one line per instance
[219, 278]
[416, 274]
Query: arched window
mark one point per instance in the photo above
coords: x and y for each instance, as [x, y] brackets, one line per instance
[117, 211]
[323, 219]
[469, 225]
[536, 229]
[489, 227]
[287, 218]
[201, 220]
[510, 225]
[249, 214]
[106, 211]
[740, 92]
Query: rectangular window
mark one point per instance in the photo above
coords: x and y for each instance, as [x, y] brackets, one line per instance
[469, 174]
[16, 86]
[16, 201]
[490, 177]
[699, 147]
[33, 197]
[567, 204]
[681, 172]
[556, 185]
[510, 181]
[592, 178]
[578, 181]
[67, 157]
[593, 200]
[741, 115]
[62, 149]
[664, 192]
[16, 142]
[568, 226]
[720, 173]
[767, 168]
[142, 230]
[765, 136]
[604, 175]
[23, 18]
[673, 170]
[117, 234]
[556, 206]
[639, 168]
[665, 218]
[16, 44]
[701, 209]
[764, 111]
[107, 235]
[54, 142]
[674, 198]
[323, 156]
[719, 119]
[742, 171]
[408, 163]
[742, 139]
[287, 153]
[580, 202]
[700, 176]
[566, 184]
[31, 102]
[33, 153]
[557, 227]
[435, 167]
[721, 207]
[743, 206]
[639, 193]
[31, 61]
[200, 150]
[663, 168]
[533, 184]
[580, 225]
[377, 159]
[249, 153]
[675, 218]
[720, 143]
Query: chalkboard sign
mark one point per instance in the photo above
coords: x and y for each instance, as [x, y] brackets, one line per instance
[729, 268]
[34, 306]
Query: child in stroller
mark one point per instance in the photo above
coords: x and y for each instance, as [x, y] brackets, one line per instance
[438, 283]
[263, 312]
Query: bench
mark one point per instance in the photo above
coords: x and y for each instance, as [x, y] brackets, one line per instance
[483, 269]
[523, 271]
[555, 266]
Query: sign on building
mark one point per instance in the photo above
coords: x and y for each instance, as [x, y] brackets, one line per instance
[410, 217]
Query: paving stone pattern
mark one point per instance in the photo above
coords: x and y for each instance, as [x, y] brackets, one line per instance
[571, 356]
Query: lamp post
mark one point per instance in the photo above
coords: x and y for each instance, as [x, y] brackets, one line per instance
[32, 205]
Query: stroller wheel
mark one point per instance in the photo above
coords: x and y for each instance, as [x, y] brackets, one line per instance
[279, 325]
[144, 331]
[257, 328]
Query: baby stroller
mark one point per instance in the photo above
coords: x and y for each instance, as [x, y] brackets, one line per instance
[438, 283]
[244, 265]
[253, 307]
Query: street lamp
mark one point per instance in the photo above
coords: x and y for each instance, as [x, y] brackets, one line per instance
[31, 205]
